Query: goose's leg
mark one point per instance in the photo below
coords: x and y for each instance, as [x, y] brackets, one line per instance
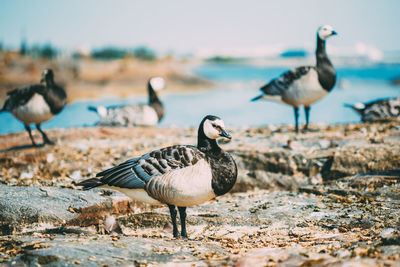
[182, 215]
[28, 128]
[307, 111]
[296, 118]
[173, 212]
[46, 140]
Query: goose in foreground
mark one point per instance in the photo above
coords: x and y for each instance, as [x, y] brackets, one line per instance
[133, 115]
[304, 85]
[179, 176]
[37, 103]
[382, 109]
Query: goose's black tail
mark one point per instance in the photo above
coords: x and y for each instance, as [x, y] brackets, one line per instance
[357, 107]
[92, 108]
[257, 98]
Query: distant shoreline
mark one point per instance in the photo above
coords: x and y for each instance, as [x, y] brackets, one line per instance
[91, 79]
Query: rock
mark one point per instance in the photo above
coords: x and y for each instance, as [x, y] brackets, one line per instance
[291, 228]
[21, 206]
[346, 161]
[284, 257]
[390, 236]
[352, 160]
[126, 251]
[264, 180]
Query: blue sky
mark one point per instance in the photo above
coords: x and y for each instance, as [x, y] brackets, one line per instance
[185, 26]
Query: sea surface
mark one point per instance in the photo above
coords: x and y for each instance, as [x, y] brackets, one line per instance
[235, 85]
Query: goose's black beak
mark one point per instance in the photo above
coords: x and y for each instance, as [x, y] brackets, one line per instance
[225, 134]
[334, 33]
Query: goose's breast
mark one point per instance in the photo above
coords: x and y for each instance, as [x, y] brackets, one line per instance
[36, 110]
[305, 90]
[184, 187]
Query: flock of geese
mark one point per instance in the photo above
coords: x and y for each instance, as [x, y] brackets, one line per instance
[183, 175]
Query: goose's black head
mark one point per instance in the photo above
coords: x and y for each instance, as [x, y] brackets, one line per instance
[211, 128]
[47, 76]
[325, 31]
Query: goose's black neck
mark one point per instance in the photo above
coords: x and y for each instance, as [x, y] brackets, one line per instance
[155, 102]
[153, 98]
[322, 57]
[49, 81]
[207, 145]
[326, 72]
[54, 95]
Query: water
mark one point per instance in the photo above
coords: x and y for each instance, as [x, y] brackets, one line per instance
[237, 84]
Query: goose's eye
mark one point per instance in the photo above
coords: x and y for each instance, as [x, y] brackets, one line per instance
[214, 125]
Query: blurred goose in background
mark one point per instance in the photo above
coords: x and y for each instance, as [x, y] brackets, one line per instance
[37, 103]
[304, 85]
[179, 175]
[134, 115]
[381, 109]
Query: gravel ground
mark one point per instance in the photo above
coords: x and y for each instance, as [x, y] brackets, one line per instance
[329, 197]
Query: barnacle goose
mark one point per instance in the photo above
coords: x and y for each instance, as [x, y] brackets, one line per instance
[134, 115]
[37, 103]
[382, 109]
[180, 175]
[306, 84]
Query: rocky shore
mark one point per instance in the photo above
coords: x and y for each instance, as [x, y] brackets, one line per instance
[329, 197]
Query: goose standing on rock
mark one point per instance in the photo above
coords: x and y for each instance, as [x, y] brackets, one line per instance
[304, 85]
[179, 176]
[135, 115]
[382, 109]
[37, 103]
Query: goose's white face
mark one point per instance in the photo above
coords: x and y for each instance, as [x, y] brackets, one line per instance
[359, 105]
[158, 83]
[214, 129]
[102, 111]
[325, 31]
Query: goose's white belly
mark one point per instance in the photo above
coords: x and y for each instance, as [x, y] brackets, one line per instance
[149, 117]
[130, 116]
[135, 194]
[304, 91]
[36, 110]
[183, 187]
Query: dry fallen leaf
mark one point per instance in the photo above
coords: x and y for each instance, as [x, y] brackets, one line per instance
[70, 209]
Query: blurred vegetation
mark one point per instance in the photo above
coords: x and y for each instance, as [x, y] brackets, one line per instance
[109, 53]
[294, 53]
[112, 53]
[144, 53]
[223, 59]
[220, 59]
[46, 51]
[23, 49]
[49, 52]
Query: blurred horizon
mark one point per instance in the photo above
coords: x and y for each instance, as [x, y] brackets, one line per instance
[206, 29]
